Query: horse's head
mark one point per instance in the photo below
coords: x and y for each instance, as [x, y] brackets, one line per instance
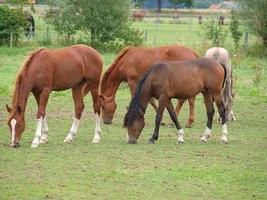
[108, 107]
[134, 122]
[16, 124]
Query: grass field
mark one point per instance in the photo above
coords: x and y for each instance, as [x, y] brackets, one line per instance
[115, 170]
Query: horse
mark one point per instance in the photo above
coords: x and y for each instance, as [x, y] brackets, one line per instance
[221, 55]
[77, 67]
[30, 25]
[130, 65]
[181, 80]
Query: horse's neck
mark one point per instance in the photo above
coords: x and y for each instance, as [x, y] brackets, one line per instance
[112, 84]
[23, 91]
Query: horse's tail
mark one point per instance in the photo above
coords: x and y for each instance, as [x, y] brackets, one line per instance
[135, 106]
[112, 66]
[85, 89]
[226, 91]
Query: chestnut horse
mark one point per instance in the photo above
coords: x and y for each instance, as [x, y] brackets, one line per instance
[181, 80]
[130, 66]
[78, 67]
[221, 55]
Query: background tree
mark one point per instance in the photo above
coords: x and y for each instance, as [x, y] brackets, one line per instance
[234, 28]
[11, 21]
[255, 14]
[106, 22]
[187, 3]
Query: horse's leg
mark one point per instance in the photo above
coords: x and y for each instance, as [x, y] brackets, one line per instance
[208, 100]
[43, 99]
[221, 110]
[233, 118]
[44, 137]
[79, 106]
[173, 116]
[96, 106]
[158, 119]
[191, 102]
[178, 109]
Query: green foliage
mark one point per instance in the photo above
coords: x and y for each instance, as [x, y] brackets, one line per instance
[234, 28]
[255, 15]
[188, 3]
[215, 33]
[106, 22]
[11, 20]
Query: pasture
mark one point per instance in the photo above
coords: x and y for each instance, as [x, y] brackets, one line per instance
[114, 169]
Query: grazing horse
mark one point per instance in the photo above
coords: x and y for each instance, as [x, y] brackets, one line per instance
[182, 79]
[221, 55]
[130, 66]
[78, 67]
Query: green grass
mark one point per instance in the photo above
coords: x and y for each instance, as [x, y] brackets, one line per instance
[115, 170]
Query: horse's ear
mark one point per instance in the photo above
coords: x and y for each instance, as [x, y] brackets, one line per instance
[8, 108]
[101, 97]
[19, 110]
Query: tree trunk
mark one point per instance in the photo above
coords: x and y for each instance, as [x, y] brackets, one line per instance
[159, 5]
[264, 39]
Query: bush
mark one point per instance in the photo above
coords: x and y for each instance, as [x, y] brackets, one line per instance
[11, 20]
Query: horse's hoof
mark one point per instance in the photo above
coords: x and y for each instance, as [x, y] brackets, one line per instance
[162, 123]
[96, 140]
[68, 140]
[44, 141]
[224, 141]
[151, 141]
[34, 145]
[171, 125]
[203, 141]
[180, 142]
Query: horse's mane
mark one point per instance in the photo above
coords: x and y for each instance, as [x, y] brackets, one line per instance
[133, 112]
[23, 71]
[112, 66]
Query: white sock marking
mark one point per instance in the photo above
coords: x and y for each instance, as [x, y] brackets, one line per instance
[224, 134]
[13, 133]
[38, 133]
[206, 135]
[97, 129]
[73, 130]
[44, 137]
[180, 136]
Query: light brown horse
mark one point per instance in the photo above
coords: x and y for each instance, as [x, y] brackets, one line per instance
[222, 56]
[181, 80]
[78, 67]
[130, 66]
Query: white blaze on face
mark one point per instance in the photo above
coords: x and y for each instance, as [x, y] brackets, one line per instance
[13, 133]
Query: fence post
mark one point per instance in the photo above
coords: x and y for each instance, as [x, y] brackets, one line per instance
[246, 40]
[11, 39]
[145, 36]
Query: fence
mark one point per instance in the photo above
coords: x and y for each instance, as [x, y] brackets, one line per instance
[156, 32]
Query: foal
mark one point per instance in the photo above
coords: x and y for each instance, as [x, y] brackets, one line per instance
[182, 80]
[78, 67]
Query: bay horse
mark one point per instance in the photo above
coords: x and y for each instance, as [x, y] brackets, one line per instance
[78, 67]
[129, 66]
[181, 80]
[221, 55]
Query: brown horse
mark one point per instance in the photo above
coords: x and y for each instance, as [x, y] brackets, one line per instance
[78, 67]
[130, 66]
[182, 80]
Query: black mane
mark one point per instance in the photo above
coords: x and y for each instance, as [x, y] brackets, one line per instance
[134, 109]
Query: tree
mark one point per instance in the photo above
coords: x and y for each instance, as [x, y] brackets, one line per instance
[106, 22]
[234, 28]
[11, 21]
[188, 3]
[255, 14]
